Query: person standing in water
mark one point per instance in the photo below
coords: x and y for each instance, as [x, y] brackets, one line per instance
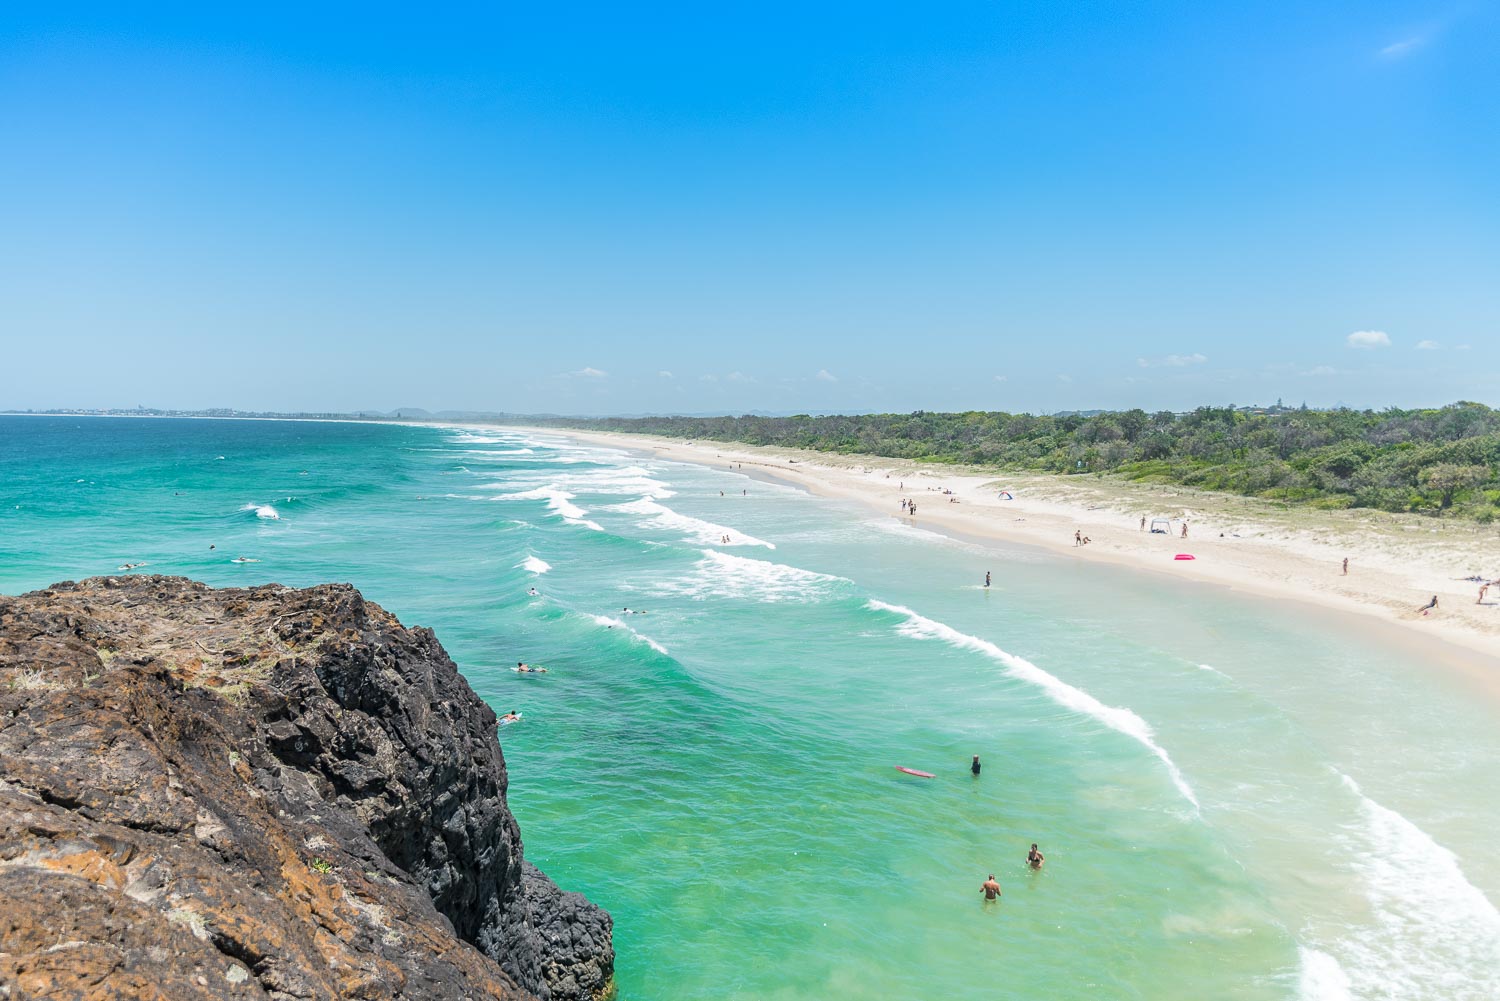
[990, 887]
[975, 766]
[986, 578]
[1035, 858]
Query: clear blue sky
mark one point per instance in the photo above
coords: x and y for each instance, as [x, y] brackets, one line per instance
[860, 206]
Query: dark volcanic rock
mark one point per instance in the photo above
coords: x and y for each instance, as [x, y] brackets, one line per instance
[261, 793]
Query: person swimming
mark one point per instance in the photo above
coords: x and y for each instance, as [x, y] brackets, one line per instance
[534, 592]
[510, 717]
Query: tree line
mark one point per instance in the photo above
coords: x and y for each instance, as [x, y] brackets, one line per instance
[1443, 461]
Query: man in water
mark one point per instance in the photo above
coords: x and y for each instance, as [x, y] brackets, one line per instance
[986, 578]
[1035, 858]
[990, 887]
[510, 717]
[975, 766]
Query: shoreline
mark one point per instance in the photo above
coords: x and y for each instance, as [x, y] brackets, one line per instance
[1291, 555]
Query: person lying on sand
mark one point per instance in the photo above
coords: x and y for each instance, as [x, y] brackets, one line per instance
[1427, 608]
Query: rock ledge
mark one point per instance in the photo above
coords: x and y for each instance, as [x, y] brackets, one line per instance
[261, 793]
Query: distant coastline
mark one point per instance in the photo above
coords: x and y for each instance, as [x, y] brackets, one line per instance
[1397, 561]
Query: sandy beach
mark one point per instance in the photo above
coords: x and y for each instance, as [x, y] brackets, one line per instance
[1397, 563]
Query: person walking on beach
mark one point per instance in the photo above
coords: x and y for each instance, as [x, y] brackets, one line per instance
[990, 887]
[975, 766]
[1482, 589]
[1184, 530]
[1346, 566]
[1143, 522]
[1078, 537]
[1035, 858]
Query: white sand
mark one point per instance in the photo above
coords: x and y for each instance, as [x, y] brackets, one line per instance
[1396, 562]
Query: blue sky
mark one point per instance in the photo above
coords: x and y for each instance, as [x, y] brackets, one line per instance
[765, 206]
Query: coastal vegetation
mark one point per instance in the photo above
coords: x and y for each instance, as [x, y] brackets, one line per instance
[1443, 461]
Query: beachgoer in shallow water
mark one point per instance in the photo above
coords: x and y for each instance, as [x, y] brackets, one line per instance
[1035, 858]
[986, 578]
[990, 887]
[975, 766]
[510, 717]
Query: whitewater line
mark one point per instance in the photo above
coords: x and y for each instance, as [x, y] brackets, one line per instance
[1118, 719]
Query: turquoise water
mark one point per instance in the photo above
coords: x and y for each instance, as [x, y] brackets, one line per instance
[1235, 800]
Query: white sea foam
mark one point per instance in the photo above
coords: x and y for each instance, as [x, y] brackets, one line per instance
[696, 529]
[1118, 719]
[611, 623]
[536, 566]
[1212, 670]
[1320, 977]
[1431, 934]
[559, 502]
[263, 511]
[470, 438]
[724, 575]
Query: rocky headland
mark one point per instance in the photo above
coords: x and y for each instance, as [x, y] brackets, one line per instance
[261, 793]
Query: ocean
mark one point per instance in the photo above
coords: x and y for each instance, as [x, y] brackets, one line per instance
[1237, 798]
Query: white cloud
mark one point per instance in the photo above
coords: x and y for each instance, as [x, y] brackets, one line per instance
[1405, 47]
[1064, 378]
[738, 377]
[664, 374]
[708, 378]
[589, 373]
[1366, 339]
[1428, 345]
[1172, 361]
[1320, 370]
[1462, 347]
[999, 378]
[826, 376]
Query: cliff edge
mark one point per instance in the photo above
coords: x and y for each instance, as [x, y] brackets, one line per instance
[261, 793]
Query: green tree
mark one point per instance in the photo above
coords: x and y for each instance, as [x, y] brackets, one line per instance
[1448, 479]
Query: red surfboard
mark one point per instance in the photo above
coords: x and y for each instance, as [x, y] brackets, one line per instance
[913, 771]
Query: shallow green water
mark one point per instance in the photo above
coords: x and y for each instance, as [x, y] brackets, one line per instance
[1234, 800]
